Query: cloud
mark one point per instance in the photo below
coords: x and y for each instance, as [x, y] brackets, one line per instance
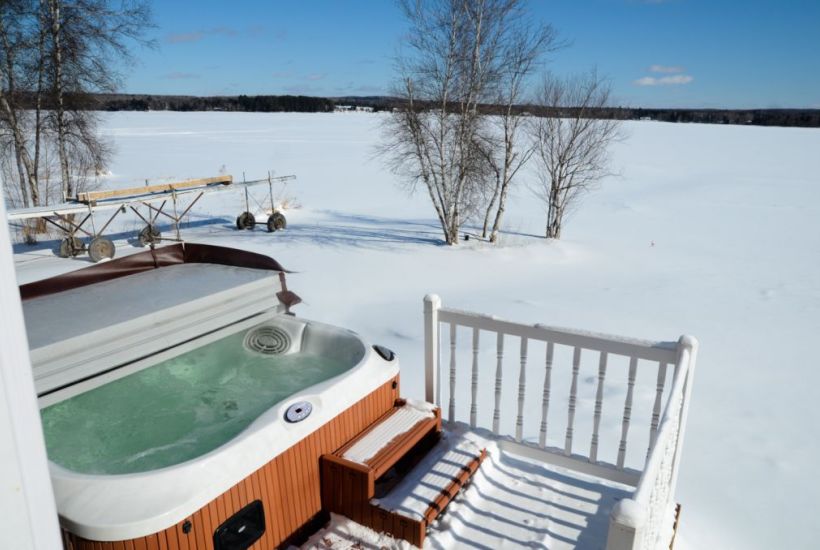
[675, 80]
[180, 38]
[666, 69]
[315, 76]
[177, 75]
[196, 36]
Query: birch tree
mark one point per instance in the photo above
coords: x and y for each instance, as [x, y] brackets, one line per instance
[571, 146]
[523, 49]
[449, 69]
[54, 55]
[88, 39]
[15, 45]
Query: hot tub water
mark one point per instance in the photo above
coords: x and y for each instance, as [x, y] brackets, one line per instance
[177, 409]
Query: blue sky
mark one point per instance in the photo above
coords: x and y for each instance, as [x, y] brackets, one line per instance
[657, 53]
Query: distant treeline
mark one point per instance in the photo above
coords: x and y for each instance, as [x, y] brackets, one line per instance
[250, 103]
[807, 118]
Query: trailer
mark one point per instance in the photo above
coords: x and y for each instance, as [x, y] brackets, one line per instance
[172, 201]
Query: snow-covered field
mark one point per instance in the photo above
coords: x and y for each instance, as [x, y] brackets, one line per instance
[709, 230]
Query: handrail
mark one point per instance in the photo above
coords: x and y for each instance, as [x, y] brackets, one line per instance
[641, 521]
[637, 522]
[618, 345]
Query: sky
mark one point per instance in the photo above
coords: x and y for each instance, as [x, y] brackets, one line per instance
[656, 53]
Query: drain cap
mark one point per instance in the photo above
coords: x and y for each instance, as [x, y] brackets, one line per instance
[298, 411]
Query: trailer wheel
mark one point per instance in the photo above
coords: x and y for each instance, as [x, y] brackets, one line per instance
[246, 220]
[276, 221]
[101, 248]
[70, 247]
[150, 234]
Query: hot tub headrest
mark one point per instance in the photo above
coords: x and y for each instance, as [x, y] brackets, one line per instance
[152, 259]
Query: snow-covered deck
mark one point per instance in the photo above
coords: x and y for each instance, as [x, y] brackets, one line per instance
[512, 501]
[616, 492]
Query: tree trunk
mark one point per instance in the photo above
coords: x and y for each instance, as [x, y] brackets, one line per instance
[24, 161]
[67, 188]
[490, 208]
[38, 108]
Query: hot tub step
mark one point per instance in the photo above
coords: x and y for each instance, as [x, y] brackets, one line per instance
[423, 493]
[398, 475]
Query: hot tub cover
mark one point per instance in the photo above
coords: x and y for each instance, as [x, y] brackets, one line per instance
[93, 320]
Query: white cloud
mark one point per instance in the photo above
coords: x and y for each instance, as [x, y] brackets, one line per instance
[675, 80]
[666, 69]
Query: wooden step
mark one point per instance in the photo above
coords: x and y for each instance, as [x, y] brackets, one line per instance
[386, 479]
[423, 493]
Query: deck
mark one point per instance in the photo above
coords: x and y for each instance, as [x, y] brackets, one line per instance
[512, 501]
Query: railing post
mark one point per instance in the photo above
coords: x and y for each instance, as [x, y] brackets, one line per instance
[689, 343]
[625, 525]
[432, 303]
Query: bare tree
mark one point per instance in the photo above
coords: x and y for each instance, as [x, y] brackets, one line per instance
[571, 146]
[15, 45]
[449, 69]
[523, 48]
[87, 40]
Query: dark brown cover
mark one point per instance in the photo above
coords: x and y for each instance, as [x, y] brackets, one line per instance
[152, 259]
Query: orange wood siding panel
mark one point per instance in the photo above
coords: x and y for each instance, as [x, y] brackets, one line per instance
[289, 487]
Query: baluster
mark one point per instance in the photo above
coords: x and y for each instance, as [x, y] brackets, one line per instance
[522, 382]
[499, 351]
[573, 396]
[545, 399]
[633, 368]
[452, 410]
[474, 380]
[599, 403]
[656, 409]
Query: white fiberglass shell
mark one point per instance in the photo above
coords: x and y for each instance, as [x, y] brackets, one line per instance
[124, 506]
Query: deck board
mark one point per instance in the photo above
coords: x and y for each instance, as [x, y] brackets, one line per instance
[512, 501]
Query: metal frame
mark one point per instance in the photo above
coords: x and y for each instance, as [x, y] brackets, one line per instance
[61, 216]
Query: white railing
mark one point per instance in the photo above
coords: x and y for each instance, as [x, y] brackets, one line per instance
[638, 522]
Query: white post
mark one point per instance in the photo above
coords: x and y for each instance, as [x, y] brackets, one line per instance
[656, 409]
[625, 525]
[690, 344]
[499, 357]
[545, 396]
[599, 405]
[630, 388]
[432, 303]
[522, 387]
[28, 515]
[474, 381]
[452, 405]
[573, 397]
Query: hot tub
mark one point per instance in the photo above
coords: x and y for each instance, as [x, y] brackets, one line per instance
[164, 449]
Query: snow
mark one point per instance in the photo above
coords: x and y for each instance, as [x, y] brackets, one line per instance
[708, 230]
[510, 502]
[514, 502]
[399, 422]
[343, 534]
[412, 496]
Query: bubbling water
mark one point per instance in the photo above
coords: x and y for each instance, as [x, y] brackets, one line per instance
[178, 409]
